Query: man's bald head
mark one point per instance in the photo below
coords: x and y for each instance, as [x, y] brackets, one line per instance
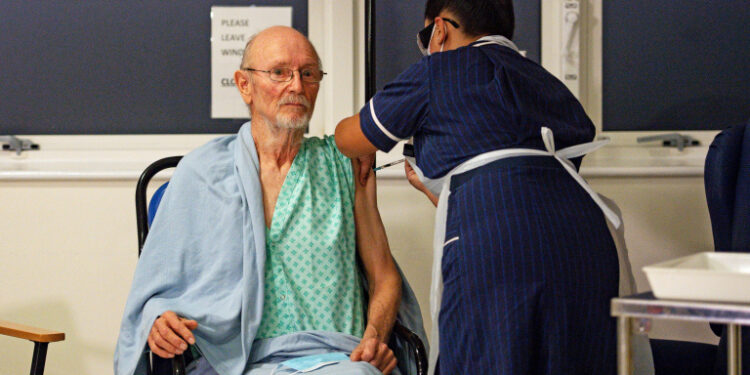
[274, 34]
[280, 103]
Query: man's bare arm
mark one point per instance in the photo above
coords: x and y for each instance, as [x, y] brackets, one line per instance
[382, 276]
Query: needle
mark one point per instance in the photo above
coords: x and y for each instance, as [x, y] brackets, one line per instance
[388, 165]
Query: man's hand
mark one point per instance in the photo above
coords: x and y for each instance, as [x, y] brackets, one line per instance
[376, 353]
[171, 334]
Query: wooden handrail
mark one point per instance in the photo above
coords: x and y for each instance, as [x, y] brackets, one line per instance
[30, 333]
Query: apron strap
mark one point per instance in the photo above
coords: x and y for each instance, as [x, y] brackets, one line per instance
[564, 155]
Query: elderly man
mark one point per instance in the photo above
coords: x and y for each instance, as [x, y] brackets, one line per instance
[251, 259]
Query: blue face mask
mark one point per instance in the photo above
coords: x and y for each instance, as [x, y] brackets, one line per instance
[314, 362]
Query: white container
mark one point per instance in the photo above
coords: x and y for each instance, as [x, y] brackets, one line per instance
[708, 276]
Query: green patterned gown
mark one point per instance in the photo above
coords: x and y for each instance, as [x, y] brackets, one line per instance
[311, 276]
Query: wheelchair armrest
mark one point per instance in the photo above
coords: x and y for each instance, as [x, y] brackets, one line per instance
[416, 345]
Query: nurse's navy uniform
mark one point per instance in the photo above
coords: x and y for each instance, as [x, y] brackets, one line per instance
[528, 264]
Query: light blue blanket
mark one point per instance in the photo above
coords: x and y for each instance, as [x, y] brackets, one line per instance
[269, 353]
[204, 259]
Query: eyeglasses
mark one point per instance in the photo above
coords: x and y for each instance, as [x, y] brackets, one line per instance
[283, 74]
[424, 36]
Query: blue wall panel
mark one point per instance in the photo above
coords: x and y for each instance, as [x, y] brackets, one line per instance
[111, 66]
[676, 65]
[398, 22]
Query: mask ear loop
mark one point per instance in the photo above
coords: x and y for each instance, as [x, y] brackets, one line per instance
[432, 35]
[445, 32]
[442, 45]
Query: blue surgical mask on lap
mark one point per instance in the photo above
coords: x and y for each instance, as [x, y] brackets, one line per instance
[314, 362]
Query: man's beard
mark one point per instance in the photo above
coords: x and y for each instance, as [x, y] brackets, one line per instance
[293, 121]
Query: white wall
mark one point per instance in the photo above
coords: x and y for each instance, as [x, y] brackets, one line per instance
[665, 218]
[67, 254]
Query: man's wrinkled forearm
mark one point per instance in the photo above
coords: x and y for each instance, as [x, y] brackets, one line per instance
[385, 299]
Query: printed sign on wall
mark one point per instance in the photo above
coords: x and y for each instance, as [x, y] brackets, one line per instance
[231, 27]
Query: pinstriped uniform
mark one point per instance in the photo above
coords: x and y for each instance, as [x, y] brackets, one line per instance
[529, 266]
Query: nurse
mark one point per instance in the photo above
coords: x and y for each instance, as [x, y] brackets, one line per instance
[525, 266]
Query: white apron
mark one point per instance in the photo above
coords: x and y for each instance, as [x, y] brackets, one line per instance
[441, 187]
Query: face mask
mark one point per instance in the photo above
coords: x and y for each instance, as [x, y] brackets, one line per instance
[314, 362]
[423, 42]
[424, 37]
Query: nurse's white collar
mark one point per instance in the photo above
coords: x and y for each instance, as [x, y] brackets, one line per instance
[495, 39]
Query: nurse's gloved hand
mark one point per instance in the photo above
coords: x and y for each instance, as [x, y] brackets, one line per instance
[171, 334]
[376, 353]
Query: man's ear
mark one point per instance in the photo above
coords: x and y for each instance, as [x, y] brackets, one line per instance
[244, 86]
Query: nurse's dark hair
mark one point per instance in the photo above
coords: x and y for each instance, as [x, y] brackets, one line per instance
[477, 17]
